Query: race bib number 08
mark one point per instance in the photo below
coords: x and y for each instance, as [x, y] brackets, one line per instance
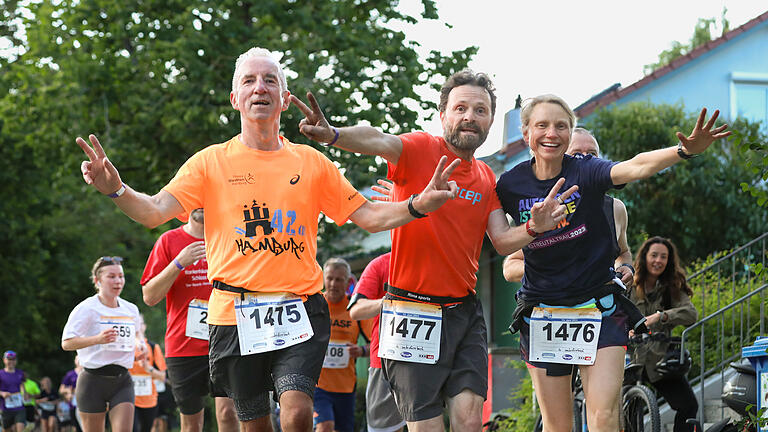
[564, 335]
[336, 356]
[142, 385]
[410, 331]
[271, 321]
[126, 332]
[197, 319]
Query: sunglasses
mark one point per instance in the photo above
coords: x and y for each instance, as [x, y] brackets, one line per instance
[109, 260]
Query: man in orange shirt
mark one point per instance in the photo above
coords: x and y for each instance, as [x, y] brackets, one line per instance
[433, 338]
[262, 196]
[335, 393]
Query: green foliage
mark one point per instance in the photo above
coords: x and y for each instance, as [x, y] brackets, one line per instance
[152, 79]
[523, 416]
[702, 33]
[753, 422]
[689, 200]
[754, 149]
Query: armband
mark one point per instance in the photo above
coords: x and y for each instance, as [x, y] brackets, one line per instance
[528, 228]
[335, 138]
[178, 264]
[119, 192]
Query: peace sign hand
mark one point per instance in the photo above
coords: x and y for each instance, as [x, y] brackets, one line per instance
[314, 126]
[98, 170]
[703, 135]
[546, 214]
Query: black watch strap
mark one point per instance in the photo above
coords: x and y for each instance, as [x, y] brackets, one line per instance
[682, 153]
[415, 213]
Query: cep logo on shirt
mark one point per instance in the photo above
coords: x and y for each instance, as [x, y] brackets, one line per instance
[470, 195]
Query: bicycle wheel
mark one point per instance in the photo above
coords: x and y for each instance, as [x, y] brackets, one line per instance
[578, 424]
[640, 410]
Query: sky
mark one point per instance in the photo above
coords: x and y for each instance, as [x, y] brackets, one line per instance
[574, 49]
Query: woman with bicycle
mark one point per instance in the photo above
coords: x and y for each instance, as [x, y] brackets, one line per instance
[664, 297]
[570, 312]
[102, 329]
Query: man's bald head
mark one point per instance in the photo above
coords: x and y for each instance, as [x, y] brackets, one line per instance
[582, 141]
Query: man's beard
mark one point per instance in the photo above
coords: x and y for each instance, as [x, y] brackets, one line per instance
[465, 142]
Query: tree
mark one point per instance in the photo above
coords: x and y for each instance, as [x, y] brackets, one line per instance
[702, 34]
[152, 79]
[698, 203]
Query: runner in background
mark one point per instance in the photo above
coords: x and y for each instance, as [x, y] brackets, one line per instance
[102, 328]
[381, 412]
[12, 394]
[46, 402]
[144, 372]
[176, 271]
[334, 404]
[67, 393]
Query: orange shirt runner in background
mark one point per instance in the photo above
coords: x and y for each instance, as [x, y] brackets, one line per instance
[261, 215]
[154, 358]
[343, 329]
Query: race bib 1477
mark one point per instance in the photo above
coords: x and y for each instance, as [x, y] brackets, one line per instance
[410, 331]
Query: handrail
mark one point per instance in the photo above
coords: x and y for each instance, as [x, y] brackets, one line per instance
[733, 324]
[730, 255]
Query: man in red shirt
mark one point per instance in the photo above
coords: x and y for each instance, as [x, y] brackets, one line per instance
[433, 336]
[380, 410]
[176, 271]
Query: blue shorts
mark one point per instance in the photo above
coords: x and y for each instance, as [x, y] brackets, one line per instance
[613, 332]
[336, 407]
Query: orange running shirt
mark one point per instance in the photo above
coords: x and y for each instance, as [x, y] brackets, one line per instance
[343, 329]
[437, 255]
[261, 213]
[155, 359]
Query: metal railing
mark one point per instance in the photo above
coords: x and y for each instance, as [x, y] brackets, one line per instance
[732, 292]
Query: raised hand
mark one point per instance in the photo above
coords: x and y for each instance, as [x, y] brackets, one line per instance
[385, 190]
[192, 253]
[98, 170]
[314, 126]
[440, 189]
[546, 214]
[703, 135]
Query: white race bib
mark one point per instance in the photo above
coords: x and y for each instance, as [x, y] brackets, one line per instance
[410, 331]
[271, 321]
[564, 335]
[336, 356]
[64, 412]
[126, 331]
[47, 406]
[159, 385]
[15, 400]
[142, 385]
[197, 319]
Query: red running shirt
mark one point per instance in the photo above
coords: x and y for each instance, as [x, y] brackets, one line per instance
[371, 285]
[192, 283]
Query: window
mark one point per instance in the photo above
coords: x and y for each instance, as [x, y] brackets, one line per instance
[749, 97]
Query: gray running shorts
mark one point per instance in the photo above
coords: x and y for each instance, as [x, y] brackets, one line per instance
[381, 412]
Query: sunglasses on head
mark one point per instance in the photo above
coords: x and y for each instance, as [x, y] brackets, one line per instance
[109, 260]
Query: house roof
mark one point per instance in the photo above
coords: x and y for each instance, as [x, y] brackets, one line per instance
[615, 92]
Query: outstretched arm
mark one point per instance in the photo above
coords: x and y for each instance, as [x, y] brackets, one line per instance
[649, 163]
[99, 172]
[545, 215]
[381, 216]
[357, 139]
